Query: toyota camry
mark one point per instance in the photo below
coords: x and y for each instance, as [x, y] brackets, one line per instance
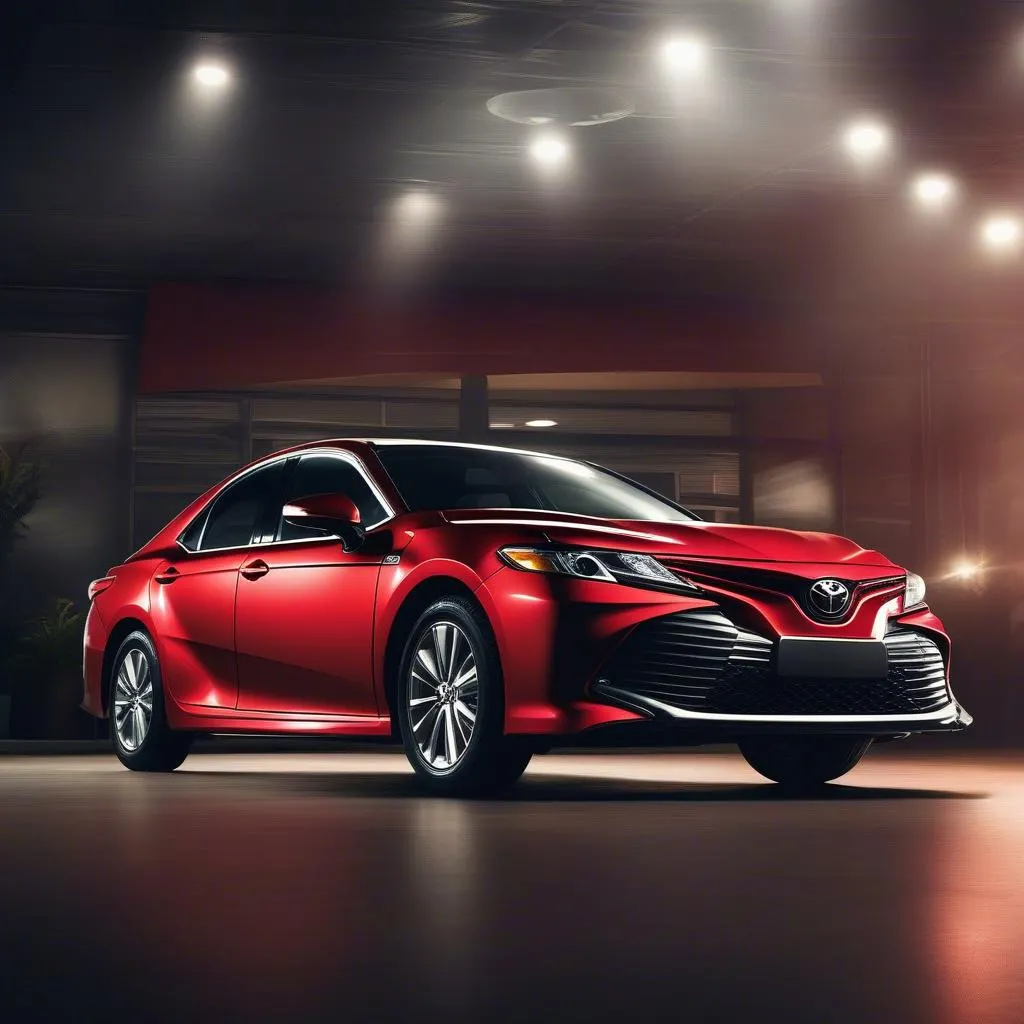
[484, 604]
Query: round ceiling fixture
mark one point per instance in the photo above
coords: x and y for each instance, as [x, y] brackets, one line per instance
[568, 108]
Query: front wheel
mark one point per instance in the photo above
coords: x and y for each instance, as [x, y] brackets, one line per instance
[803, 762]
[451, 704]
[138, 720]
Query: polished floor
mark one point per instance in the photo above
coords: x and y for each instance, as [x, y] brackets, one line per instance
[323, 887]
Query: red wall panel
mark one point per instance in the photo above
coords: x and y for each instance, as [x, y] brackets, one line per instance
[208, 337]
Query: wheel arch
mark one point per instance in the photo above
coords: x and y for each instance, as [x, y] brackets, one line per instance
[124, 628]
[413, 605]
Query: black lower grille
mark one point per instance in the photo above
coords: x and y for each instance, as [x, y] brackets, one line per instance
[701, 661]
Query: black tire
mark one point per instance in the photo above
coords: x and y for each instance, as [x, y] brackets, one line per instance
[491, 761]
[803, 762]
[162, 749]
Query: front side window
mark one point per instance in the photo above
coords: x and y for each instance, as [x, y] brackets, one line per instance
[442, 477]
[235, 512]
[329, 474]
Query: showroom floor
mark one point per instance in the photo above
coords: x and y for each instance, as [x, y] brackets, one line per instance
[257, 887]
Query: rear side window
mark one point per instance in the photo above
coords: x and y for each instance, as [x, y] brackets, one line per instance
[234, 514]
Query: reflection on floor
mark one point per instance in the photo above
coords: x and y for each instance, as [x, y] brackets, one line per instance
[607, 887]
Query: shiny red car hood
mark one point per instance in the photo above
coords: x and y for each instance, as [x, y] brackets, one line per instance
[681, 540]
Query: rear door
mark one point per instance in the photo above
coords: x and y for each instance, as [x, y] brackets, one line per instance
[192, 596]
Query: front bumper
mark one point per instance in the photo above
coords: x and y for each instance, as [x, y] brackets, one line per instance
[698, 669]
[697, 732]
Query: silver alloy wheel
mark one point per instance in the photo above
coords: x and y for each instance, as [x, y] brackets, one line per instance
[443, 695]
[133, 700]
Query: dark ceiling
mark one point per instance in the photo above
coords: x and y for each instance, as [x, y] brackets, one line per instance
[112, 173]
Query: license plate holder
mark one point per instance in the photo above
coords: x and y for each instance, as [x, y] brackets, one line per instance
[832, 659]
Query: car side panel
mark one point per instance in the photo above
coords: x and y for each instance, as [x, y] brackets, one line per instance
[194, 618]
[126, 598]
[395, 584]
[304, 630]
[94, 643]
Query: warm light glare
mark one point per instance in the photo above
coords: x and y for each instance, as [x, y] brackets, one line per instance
[866, 141]
[417, 208]
[542, 423]
[549, 150]
[933, 190]
[685, 54]
[1000, 233]
[967, 571]
[212, 76]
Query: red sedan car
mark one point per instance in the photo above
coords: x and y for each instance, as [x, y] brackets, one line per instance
[484, 604]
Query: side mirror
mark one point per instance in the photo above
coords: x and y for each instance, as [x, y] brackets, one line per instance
[331, 514]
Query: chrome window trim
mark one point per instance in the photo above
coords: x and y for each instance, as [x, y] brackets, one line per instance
[938, 714]
[338, 453]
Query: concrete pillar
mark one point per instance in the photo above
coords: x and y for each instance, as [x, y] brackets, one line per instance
[474, 414]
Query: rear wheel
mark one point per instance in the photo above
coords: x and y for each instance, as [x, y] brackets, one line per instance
[803, 761]
[138, 719]
[451, 704]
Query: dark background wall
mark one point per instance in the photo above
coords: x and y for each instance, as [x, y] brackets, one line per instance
[66, 387]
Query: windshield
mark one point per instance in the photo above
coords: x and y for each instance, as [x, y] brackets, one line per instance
[441, 477]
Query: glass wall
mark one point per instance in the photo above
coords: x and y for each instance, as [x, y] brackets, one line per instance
[730, 454]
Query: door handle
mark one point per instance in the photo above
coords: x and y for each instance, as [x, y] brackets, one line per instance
[168, 575]
[254, 570]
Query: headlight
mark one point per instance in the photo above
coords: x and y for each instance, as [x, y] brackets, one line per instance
[613, 566]
[914, 595]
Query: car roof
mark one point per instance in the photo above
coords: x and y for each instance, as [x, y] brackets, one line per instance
[384, 442]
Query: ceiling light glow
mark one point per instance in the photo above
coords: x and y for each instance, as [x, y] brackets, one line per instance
[1000, 233]
[542, 423]
[866, 140]
[933, 190]
[417, 208]
[211, 75]
[549, 150]
[685, 54]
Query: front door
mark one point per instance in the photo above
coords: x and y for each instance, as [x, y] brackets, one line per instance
[304, 606]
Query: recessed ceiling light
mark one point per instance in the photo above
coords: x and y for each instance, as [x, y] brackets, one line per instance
[502, 426]
[542, 423]
[211, 75]
[866, 140]
[568, 106]
[933, 190]
[685, 54]
[549, 150]
[1000, 233]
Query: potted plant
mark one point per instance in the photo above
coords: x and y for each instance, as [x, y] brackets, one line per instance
[46, 674]
[20, 489]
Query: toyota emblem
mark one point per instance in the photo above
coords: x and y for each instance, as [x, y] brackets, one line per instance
[829, 598]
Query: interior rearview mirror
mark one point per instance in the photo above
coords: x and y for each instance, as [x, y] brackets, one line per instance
[330, 514]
